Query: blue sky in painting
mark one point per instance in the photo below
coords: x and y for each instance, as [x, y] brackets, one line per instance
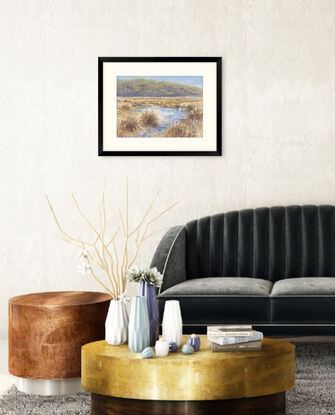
[188, 80]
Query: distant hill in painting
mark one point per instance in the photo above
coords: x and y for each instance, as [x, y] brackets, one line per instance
[147, 88]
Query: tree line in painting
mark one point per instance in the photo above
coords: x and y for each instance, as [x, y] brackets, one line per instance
[148, 88]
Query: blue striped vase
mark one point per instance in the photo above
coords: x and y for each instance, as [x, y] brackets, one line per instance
[139, 327]
[149, 292]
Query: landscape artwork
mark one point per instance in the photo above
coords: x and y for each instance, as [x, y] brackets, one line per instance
[160, 106]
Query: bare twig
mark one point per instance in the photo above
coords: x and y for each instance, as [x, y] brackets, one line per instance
[146, 214]
[118, 272]
[96, 278]
[60, 228]
[154, 233]
[122, 221]
[162, 213]
[113, 238]
[104, 249]
[125, 245]
[145, 231]
[80, 246]
[103, 215]
[108, 259]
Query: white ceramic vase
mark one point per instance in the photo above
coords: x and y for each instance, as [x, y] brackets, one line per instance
[139, 326]
[172, 324]
[116, 325]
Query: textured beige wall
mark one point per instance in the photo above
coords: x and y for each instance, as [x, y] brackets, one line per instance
[279, 123]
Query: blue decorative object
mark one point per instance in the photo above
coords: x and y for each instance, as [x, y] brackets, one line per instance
[173, 347]
[149, 291]
[147, 353]
[194, 341]
[187, 349]
[139, 330]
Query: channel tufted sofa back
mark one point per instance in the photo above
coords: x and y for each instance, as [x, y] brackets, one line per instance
[270, 243]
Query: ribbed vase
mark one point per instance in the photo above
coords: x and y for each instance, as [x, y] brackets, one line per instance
[139, 328]
[116, 325]
[172, 324]
[149, 292]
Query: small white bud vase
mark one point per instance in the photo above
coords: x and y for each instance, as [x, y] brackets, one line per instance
[172, 325]
[116, 325]
[162, 348]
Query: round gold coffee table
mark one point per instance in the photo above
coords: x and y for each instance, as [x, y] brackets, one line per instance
[201, 383]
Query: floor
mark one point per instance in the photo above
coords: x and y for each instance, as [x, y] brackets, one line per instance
[306, 339]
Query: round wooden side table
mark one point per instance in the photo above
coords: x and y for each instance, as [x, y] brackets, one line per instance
[46, 332]
[203, 383]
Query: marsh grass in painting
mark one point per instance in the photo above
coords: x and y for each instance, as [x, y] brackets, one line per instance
[159, 106]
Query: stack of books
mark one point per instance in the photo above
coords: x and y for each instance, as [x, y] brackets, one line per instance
[231, 338]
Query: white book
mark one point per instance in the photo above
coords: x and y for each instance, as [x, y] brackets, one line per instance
[228, 327]
[229, 330]
[248, 347]
[229, 339]
[231, 334]
[224, 331]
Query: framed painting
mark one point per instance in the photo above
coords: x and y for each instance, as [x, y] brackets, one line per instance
[160, 106]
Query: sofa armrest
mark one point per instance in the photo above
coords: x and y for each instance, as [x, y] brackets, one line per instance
[169, 257]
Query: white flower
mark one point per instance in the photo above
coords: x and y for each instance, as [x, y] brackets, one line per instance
[83, 268]
[149, 275]
[82, 255]
[136, 270]
[159, 279]
[123, 298]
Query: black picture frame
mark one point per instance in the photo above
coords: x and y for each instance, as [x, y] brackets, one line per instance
[216, 152]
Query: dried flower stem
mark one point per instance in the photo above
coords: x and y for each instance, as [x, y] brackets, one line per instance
[96, 278]
[145, 231]
[112, 265]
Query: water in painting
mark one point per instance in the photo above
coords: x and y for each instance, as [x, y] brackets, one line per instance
[159, 106]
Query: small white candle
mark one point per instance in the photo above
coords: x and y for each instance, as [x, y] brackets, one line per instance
[162, 347]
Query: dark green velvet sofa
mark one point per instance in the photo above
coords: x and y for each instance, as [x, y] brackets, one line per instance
[271, 267]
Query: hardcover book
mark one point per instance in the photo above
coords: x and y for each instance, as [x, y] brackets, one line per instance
[241, 347]
[228, 327]
[233, 339]
[229, 330]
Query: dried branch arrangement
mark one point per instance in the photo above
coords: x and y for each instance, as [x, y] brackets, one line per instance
[112, 259]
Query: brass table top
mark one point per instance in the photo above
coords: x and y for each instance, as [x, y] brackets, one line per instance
[115, 371]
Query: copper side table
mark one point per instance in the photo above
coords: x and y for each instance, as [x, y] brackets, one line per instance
[46, 332]
[203, 383]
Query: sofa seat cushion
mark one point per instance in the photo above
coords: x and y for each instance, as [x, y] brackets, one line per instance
[304, 286]
[218, 300]
[303, 301]
[227, 286]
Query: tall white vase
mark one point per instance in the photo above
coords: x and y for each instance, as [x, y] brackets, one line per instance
[172, 324]
[116, 325]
